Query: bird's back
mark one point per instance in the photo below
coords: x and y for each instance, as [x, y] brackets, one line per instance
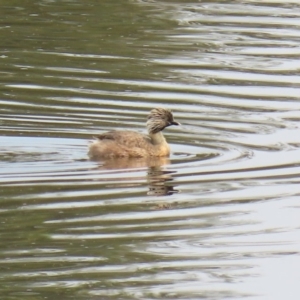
[125, 144]
[126, 138]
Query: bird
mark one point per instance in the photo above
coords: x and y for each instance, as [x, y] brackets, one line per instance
[131, 144]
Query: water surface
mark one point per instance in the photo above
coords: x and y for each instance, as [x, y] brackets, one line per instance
[219, 219]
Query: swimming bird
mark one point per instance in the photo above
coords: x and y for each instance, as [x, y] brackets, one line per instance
[132, 144]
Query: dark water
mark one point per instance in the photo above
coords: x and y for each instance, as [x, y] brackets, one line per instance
[219, 219]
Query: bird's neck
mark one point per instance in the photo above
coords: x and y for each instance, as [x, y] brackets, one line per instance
[157, 138]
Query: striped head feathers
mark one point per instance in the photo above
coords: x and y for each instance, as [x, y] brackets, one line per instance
[158, 119]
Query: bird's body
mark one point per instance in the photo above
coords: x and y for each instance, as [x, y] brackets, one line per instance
[133, 144]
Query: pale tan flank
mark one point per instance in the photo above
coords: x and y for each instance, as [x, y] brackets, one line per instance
[133, 144]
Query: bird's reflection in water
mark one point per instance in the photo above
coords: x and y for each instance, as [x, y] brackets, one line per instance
[159, 180]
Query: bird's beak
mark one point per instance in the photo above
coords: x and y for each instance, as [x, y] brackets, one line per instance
[175, 123]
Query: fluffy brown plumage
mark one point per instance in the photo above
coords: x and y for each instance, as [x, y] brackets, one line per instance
[133, 144]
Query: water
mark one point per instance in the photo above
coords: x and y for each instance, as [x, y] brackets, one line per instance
[219, 219]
